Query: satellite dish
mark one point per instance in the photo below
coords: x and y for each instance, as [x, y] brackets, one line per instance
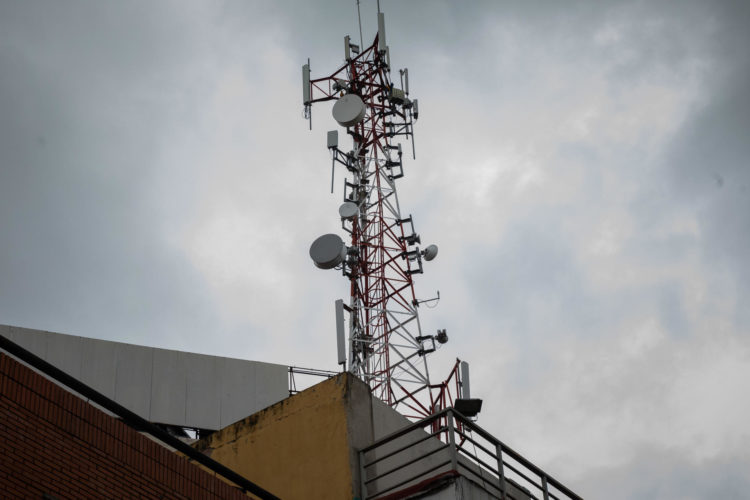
[348, 210]
[328, 251]
[430, 252]
[349, 110]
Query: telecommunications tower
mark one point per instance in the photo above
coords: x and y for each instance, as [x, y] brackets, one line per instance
[386, 346]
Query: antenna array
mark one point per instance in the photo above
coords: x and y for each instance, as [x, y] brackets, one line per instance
[386, 346]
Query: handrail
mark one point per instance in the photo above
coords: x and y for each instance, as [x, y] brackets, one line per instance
[420, 424]
[507, 450]
[411, 479]
[299, 370]
[405, 464]
[544, 481]
[399, 450]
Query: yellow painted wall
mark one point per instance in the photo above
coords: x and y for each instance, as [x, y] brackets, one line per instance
[296, 449]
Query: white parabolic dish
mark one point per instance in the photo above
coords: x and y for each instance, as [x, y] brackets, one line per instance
[430, 252]
[347, 210]
[349, 110]
[328, 251]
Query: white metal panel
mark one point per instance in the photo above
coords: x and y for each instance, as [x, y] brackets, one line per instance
[238, 385]
[202, 399]
[169, 387]
[65, 353]
[31, 340]
[271, 384]
[99, 366]
[133, 378]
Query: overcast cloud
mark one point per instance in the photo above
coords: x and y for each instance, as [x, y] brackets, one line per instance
[583, 167]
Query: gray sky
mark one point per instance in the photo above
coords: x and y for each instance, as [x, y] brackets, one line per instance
[582, 166]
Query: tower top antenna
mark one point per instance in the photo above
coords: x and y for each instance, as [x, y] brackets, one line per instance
[380, 254]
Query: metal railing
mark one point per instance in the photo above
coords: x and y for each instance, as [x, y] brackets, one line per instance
[302, 378]
[415, 456]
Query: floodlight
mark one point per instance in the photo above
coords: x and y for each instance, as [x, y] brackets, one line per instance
[468, 407]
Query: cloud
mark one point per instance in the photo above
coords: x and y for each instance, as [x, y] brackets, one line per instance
[667, 474]
[75, 169]
[582, 167]
[597, 259]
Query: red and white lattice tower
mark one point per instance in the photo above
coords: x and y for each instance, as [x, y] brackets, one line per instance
[386, 346]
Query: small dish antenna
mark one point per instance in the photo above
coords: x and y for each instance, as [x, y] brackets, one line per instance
[430, 252]
[348, 210]
[349, 110]
[328, 251]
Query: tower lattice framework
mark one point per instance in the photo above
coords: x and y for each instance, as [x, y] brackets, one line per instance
[386, 347]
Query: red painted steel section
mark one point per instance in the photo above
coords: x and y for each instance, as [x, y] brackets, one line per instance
[381, 276]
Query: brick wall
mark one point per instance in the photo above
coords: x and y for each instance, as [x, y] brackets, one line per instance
[55, 445]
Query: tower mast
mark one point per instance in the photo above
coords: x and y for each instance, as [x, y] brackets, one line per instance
[386, 346]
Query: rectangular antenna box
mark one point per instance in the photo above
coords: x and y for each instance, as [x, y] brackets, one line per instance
[333, 139]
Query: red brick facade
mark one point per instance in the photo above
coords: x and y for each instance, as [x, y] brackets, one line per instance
[55, 445]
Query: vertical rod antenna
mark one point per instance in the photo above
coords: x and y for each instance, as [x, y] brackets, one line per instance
[309, 108]
[359, 18]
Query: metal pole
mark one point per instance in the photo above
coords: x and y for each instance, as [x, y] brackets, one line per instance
[362, 483]
[500, 472]
[545, 490]
[452, 442]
